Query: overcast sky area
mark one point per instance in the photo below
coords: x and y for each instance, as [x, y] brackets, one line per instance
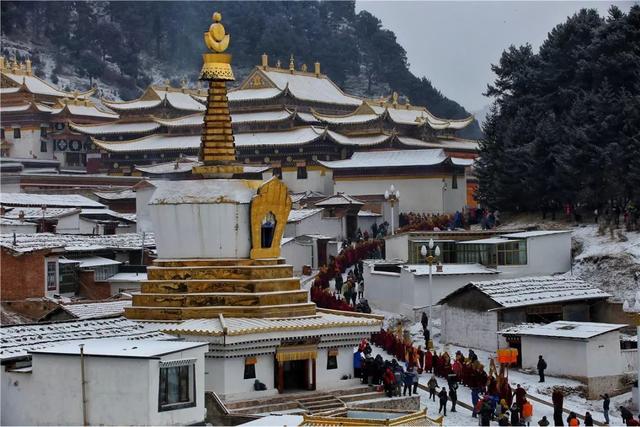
[454, 43]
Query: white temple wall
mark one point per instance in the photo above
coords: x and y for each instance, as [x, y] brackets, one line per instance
[298, 254]
[202, 230]
[331, 378]
[469, 328]
[316, 180]
[315, 224]
[225, 376]
[423, 195]
[28, 145]
[143, 210]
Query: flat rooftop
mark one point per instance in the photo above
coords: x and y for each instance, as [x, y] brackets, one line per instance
[116, 347]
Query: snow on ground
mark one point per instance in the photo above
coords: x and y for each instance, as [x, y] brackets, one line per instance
[529, 382]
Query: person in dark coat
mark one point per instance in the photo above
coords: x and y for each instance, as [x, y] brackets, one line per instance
[424, 321]
[542, 365]
[453, 395]
[544, 422]
[515, 415]
[485, 413]
[588, 419]
[558, 399]
[443, 401]
[605, 407]
[520, 395]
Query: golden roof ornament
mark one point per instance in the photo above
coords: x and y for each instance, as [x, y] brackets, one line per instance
[303, 68]
[292, 65]
[217, 65]
[216, 39]
[394, 98]
[278, 64]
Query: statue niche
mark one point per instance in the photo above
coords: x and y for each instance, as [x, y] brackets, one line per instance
[269, 213]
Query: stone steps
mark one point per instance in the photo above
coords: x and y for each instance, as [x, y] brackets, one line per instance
[223, 285]
[220, 299]
[184, 313]
[279, 271]
[203, 262]
[321, 403]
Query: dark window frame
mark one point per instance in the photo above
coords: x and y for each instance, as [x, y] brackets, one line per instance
[332, 361]
[43, 146]
[192, 398]
[302, 172]
[17, 133]
[454, 182]
[249, 371]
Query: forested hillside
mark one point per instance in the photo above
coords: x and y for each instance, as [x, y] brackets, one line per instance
[565, 125]
[127, 45]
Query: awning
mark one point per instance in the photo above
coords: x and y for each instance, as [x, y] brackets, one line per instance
[298, 352]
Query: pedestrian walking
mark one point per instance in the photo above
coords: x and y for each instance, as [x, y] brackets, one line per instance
[558, 399]
[542, 365]
[432, 385]
[361, 289]
[408, 381]
[443, 401]
[527, 412]
[453, 396]
[605, 407]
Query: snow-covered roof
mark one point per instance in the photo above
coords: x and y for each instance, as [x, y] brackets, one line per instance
[127, 277]
[244, 326]
[306, 117]
[250, 94]
[95, 261]
[339, 199]
[360, 141]
[368, 213]
[98, 309]
[204, 191]
[184, 164]
[190, 120]
[181, 100]
[449, 269]
[115, 128]
[16, 341]
[48, 200]
[15, 223]
[116, 195]
[118, 347]
[524, 291]
[394, 159]
[296, 197]
[566, 329]
[346, 119]
[487, 241]
[297, 136]
[310, 87]
[39, 86]
[132, 105]
[101, 213]
[462, 162]
[84, 110]
[155, 142]
[286, 240]
[29, 242]
[38, 213]
[261, 116]
[447, 144]
[535, 233]
[296, 215]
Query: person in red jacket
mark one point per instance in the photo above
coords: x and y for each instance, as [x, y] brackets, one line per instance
[389, 381]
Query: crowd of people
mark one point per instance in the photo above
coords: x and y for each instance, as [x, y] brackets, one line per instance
[492, 397]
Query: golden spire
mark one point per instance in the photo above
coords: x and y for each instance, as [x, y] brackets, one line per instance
[292, 65]
[215, 38]
[2, 63]
[303, 68]
[28, 66]
[394, 98]
[316, 70]
[217, 148]
[278, 64]
[265, 61]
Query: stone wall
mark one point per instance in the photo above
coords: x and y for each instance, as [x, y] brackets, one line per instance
[404, 403]
[469, 328]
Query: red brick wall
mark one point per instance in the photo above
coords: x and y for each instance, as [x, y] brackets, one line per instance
[91, 289]
[21, 276]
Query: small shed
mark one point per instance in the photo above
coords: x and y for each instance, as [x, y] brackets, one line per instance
[472, 315]
[587, 351]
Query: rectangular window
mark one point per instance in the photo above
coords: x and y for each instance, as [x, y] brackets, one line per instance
[512, 253]
[52, 284]
[454, 182]
[250, 368]
[43, 146]
[302, 172]
[43, 131]
[2, 135]
[16, 133]
[177, 387]
[332, 359]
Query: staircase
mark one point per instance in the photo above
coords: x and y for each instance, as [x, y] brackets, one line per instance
[320, 403]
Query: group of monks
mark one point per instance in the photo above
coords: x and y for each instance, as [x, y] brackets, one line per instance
[464, 370]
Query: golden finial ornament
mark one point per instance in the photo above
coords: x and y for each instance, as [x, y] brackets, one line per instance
[303, 68]
[394, 98]
[278, 64]
[28, 66]
[292, 65]
[216, 39]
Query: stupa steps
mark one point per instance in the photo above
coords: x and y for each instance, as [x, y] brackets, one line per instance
[203, 262]
[220, 299]
[184, 313]
[223, 285]
[220, 272]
